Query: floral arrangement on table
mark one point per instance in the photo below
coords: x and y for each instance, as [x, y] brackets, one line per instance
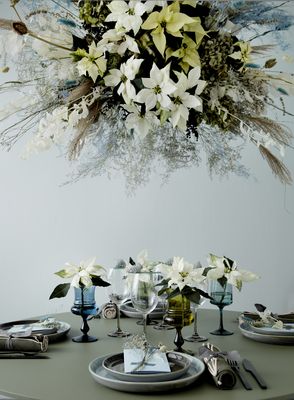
[84, 275]
[225, 270]
[125, 85]
[142, 263]
[182, 278]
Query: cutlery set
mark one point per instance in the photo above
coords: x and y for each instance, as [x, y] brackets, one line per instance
[236, 362]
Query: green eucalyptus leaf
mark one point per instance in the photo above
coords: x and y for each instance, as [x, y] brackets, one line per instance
[60, 291]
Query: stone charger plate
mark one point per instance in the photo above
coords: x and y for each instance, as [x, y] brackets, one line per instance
[248, 332]
[102, 376]
[179, 365]
[52, 337]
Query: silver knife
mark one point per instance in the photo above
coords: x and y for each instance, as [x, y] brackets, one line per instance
[250, 368]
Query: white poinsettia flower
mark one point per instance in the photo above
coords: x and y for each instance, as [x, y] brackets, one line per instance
[93, 63]
[181, 273]
[81, 278]
[216, 273]
[126, 14]
[157, 89]
[117, 41]
[81, 274]
[223, 267]
[183, 101]
[149, 5]
[143, 261]
[122, 78]
[247, 276]
[142, 124]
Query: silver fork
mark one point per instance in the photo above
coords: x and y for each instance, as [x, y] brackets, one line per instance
[233, 359]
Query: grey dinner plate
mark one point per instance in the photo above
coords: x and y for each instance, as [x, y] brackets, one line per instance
[52, 337]
[103, 377]
[179, 364]
[248, 332]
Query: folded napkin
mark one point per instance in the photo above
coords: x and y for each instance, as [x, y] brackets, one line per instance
[285, 318]
[27, 344]
[215, 361]
[109, 311]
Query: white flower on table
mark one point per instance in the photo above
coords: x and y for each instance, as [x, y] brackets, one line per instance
[181, 273]
[81, 273]
[157, 88]
[222, 267]
[126, 14]
[122, 78]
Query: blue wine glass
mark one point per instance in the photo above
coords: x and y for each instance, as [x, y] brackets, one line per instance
[222, 296]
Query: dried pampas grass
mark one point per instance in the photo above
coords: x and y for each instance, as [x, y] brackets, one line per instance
[278, 168]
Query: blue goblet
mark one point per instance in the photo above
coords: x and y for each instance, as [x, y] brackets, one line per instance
[222, 296]
[85, 306]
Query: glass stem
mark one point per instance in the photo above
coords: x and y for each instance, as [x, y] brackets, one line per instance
[118, 317]
[195, 323]
[144, 323]
[221, 324]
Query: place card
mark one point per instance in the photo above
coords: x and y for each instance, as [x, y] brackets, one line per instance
[155, 361]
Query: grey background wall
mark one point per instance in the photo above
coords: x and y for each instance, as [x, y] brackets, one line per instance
[44, 224]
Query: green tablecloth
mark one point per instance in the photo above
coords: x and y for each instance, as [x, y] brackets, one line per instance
[64, 375]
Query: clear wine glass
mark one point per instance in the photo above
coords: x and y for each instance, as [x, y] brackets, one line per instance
[144, 293]
[221, 296]
[195, 337]
[118, 292]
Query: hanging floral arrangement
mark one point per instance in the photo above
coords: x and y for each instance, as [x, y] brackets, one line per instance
[133, 85]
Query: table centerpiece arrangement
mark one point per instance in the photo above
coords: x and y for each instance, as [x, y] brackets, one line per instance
[85, 277]
[161, 80]
[180, 282]
[222, 274]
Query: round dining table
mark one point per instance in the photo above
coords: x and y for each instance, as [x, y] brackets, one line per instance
[62, 372]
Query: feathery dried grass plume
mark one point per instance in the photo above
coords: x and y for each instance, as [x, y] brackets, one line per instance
[278, 167]
[277, 131]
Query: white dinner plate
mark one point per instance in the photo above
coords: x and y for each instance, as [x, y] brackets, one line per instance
[103, 377]
[248, 332]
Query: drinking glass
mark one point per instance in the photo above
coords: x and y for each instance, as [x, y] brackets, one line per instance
[221, 296]
[118, 292]
[162, 325]
[195, 337]
[85, 306]
[144, 293]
